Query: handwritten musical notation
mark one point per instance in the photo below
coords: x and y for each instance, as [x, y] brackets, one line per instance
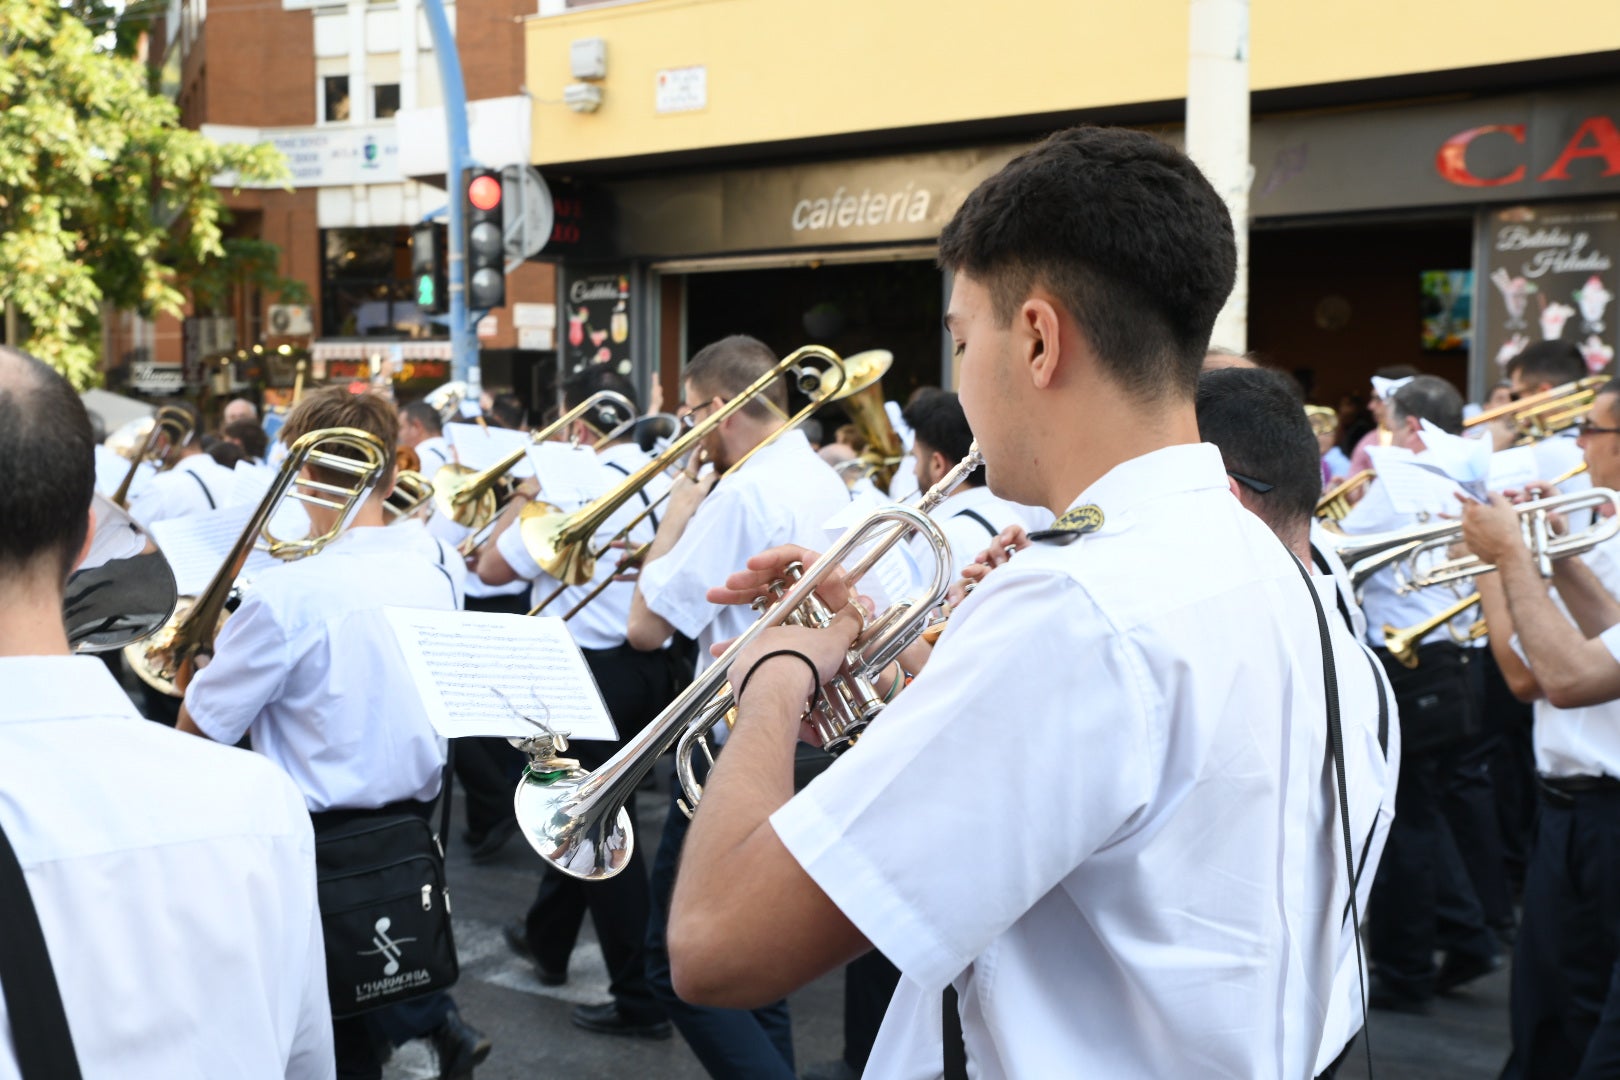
[466, 662]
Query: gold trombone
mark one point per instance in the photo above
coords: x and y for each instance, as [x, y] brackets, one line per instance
[470, 498]
[561, 542]
[353, 458]
[411, 492]
[170, 422]
[576, 819]
[1528, 412]
[1335, 503]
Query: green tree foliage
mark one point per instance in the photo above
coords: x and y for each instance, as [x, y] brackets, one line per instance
[104, 197]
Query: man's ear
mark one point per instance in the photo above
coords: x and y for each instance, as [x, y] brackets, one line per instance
[89, 539]
[1040, 332]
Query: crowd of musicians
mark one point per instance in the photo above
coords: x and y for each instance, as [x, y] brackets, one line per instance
[1224, 731]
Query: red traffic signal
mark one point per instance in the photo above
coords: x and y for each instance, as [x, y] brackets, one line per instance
[484, 192]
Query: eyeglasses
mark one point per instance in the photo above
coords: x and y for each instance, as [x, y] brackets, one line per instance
[689, 414]
[1259, 487]
[1586, 427]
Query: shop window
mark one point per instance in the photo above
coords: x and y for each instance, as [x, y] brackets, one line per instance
[366, 287]
[384, 100]
[336, 90]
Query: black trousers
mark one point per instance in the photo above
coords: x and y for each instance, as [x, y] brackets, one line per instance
[869, 983]
[636, 686]
[1423, 898]
[1565, 998]
[488, 768]
[1513, 770]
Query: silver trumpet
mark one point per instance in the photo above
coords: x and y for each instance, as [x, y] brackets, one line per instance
[576, 819]
[1418, 554]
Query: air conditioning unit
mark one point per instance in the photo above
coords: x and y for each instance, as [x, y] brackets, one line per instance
[290, 320]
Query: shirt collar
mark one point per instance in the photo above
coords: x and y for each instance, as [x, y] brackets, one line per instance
[1171, 470]
[375, 538]
[48, 687]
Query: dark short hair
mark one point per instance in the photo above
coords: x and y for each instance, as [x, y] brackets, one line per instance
[48, 458]
[729, 366]
[423, 414]
[1125, 231]
[506, 409]
[1262, 432]
[334, 407]
[226, 453]
[939, 423]
[1431, 398]
[249, 435]
[1555, 362]
[595, 379]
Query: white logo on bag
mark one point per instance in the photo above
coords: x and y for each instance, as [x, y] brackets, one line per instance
[386, 946]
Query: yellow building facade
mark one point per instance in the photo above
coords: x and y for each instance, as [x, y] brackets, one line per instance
[782, 168]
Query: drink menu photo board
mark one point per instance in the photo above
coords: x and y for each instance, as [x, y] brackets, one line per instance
[1551, 273]
[597, 315]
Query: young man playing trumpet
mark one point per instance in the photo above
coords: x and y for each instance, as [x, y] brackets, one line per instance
[1120, 886]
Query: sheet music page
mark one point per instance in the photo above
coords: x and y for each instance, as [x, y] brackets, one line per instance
[1414, 487]
[480, 447]
[1513, 468]
[460, 659]
[196, 546]
[570, 475]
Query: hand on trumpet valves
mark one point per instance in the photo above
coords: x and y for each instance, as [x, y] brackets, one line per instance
[1493, 531]
[769, 571]
[780, 685]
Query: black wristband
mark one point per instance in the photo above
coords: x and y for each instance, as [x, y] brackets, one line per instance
[815, 673]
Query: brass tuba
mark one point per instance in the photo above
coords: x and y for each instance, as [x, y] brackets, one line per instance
[167, 660]
[862, 398]
[576, 819]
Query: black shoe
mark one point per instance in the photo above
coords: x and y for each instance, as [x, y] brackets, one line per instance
[1381, 995]
[494, 840]
[459, 1047]
[1459, 970]
[606, 1019]
[517, 939]
[837, 1069]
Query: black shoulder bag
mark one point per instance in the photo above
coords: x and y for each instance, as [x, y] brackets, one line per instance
[39, 1027]
[385, 908]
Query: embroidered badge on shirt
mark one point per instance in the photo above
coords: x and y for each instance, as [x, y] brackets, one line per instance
[1071, 526]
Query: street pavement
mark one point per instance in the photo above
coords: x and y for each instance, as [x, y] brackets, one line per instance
[1463, 1038]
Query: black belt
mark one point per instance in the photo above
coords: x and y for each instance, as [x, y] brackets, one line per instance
[1563, 789]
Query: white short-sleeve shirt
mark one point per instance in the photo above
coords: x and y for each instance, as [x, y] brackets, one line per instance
[434, 453]
[174, 882]
[308, 667]
[782, 495]
[1122, 890]
[1583, 741]
[195, 485]
[971, 517]
[603, 623]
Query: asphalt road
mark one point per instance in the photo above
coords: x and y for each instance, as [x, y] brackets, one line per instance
[1463, 1038]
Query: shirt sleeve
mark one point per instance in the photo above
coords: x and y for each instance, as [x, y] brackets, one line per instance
[955, 788]
[252, 658]
[723, 534]
[311, 1053]
[516, 553]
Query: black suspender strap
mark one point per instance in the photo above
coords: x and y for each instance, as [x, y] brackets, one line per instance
[955, 1047]
[1330, 678]
[39, 1028]
[642, 491]
[206, 493]
[989, 528]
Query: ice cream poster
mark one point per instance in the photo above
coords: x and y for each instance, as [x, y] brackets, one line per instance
[596, 323]
[1552, 274]
[1448, 305]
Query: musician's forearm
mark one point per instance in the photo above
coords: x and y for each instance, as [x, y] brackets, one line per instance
[1493, 606]
[1589, 603]
[1552, 645]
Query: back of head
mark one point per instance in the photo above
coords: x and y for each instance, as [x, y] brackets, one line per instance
[423, 414]
[727, 368]
[938, 422]
[1428, 397]
[335, 407]
[507, 410]
[226, 453]
[1128, 235]
[249, 436]
[47, 455]
[596, 379]
[1253, 417]
[1551, 362]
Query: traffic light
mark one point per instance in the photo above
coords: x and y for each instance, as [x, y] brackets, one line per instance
[428, 286]
[486, 240]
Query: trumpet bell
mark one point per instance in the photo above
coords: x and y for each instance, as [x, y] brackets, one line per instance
[544, 529]
[1402, 645]
[591, 847]
[450, 497]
